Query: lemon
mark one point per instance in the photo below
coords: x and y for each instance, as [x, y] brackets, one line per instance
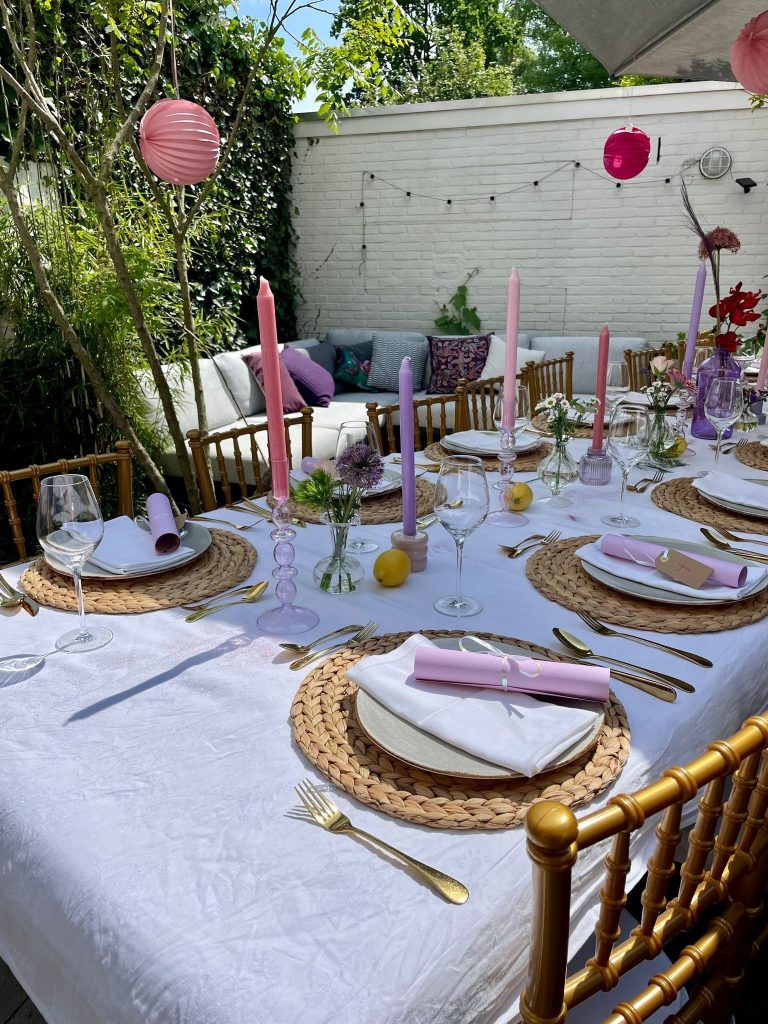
[677, 448]
[391, 568]
[517, 497]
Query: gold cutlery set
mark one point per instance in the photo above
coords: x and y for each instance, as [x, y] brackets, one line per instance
[724, 545]
[243, 595]
[16, 599]
[529, 543]
[648, 481]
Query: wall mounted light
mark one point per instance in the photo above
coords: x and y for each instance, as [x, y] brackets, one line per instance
[746, 183]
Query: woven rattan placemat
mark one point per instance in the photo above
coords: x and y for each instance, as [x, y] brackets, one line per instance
[385, 508]
[228, 561]
[524, 462]
[327, 731]
[752, 454]
[557, 573]
[679, 496]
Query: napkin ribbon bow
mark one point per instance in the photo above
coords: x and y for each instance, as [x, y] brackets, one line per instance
[510, 663]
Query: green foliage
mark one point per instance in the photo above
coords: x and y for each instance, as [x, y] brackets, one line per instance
[456, 316]
[458, 72]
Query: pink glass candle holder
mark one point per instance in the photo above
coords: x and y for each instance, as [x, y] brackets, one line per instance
[595, 468]
[286, 618]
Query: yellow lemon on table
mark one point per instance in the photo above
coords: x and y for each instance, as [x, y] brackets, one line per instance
[392, 568]
[677, 448]
[517, 497]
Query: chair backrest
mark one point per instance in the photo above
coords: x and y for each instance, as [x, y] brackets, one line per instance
[433, 418]
[89, 465]
[548, 377]
[639, 363]
[478, 398]
[249, 474]
[724, 870]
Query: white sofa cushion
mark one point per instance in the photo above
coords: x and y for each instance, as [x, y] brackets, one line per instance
[497, 352]
[219, 406]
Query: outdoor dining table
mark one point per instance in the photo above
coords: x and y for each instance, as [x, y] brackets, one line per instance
[154, 868]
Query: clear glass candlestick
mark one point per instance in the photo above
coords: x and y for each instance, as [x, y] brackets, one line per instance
[286, 618]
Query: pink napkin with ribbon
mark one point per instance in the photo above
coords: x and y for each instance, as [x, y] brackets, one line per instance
[512, 672]
[643, 552]
[162, 524]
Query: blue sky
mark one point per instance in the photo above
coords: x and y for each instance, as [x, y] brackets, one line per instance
[320, 22]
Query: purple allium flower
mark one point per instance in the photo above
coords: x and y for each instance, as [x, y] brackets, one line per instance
[360, 466]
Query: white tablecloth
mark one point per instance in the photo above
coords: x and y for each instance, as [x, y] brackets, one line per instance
[152, 871]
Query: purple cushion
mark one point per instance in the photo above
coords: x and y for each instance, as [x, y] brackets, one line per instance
[454, 358]
[292, 400]
[315, 384]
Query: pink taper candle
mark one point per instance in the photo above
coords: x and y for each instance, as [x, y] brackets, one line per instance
[407, 460]
[763, 371]
[273, 393]
[693, 326]
[602, 376]
[510, 359]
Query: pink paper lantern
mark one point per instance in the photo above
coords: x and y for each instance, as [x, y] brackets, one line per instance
[626, 152]
[749, 55]
[180, 141]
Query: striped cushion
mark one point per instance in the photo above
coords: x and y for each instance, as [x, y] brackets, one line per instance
[389, 350]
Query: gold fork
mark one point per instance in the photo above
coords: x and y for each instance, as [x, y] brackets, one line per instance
[328, 816]
[735, 536]
[364, 634]
[730, 446]
[642, 485]
[226, 522]
[530, 543]
[306, 648]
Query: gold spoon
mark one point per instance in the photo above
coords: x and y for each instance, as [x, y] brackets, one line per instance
[249, 597]
[582, 650]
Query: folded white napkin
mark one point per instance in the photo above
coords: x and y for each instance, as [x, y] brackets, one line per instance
[731, 488]
[511, 729]
[125, 547]
[485, 442]
[651, 577]
[638, 398]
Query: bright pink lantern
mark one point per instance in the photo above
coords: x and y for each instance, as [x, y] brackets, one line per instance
[626, 152]
[180, 141]
[749, 55]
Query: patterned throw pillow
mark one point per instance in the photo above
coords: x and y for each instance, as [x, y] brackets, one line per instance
[353, 364]
[454, 358]
[314, 383]
[292, 400]
[389, 350]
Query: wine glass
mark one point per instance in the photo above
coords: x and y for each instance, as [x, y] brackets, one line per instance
[616, 387]
[351, 432]
[461, 505]
[722, 406]
[69, 527]
[629, 436]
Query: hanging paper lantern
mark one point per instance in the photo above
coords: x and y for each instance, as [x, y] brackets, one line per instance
[749, 55]
[180, 141]
[626, 152]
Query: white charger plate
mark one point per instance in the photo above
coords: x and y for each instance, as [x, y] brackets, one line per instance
[634, 589]
[420, 749]
[197, 537]
[734, 506]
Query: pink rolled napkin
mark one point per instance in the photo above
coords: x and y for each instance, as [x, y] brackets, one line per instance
[162, 525]
[512, 672]
[726, 574]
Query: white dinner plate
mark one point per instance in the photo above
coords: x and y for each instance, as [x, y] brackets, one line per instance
[648, 593]
[524, 443]
[420, 749]
[391, 481]
[735, 506]
[197, 537]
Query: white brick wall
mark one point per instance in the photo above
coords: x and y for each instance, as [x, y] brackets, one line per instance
[587, 252]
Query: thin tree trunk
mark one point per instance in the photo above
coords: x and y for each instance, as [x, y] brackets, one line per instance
[190, 337]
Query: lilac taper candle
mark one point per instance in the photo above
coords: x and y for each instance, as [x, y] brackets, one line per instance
[407, 458]
[693, 326]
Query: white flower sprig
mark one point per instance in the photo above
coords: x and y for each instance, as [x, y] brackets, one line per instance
[557, 408]
[667, 379]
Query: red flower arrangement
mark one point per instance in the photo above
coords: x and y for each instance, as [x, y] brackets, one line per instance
[737, 309]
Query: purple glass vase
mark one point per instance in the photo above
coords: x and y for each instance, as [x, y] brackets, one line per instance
[721, 364]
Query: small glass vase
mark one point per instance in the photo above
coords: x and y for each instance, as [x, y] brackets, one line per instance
[339, 572]
[557, 471]
[721, 364]
[662, 451]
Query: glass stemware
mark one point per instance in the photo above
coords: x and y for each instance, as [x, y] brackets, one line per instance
[616, 387]
[351, 432]
[722, 406]
[503, 517]
[461, 505]
[701, 355]
[70, 527]
[629, 436]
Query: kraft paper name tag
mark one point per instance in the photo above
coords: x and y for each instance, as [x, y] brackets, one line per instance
[683, 568]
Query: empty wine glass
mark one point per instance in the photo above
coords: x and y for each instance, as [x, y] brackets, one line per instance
[628, 440]
[351, 432]
[69, 528]
[461, 505]
[722, 406]
[616, 387]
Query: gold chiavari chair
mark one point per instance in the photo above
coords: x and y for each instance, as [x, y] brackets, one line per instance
[639, 364]
[88, 465]
[249, 473]
[547, 378]
[724, 874]
[433, 418]
[478, 397]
